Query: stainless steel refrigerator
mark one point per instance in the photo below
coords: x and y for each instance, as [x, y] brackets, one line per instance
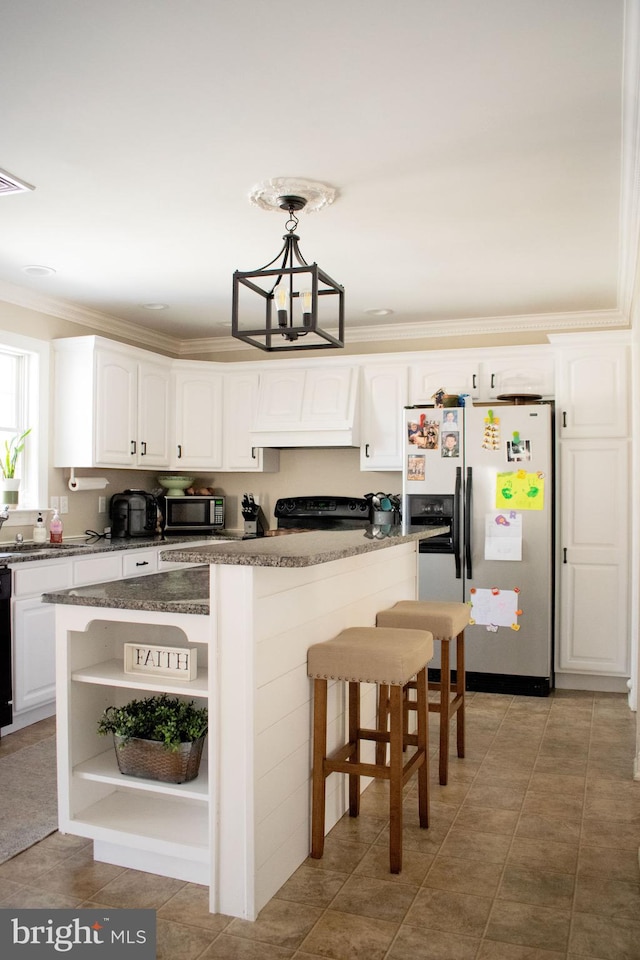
[487, 471]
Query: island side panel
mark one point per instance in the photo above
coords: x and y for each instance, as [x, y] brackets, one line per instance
[265, 687]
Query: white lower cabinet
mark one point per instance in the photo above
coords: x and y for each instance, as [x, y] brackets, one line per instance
[135, 822]
[594, 564]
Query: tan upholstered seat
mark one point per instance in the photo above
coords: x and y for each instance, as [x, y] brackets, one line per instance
[446, 621]
[390, 658]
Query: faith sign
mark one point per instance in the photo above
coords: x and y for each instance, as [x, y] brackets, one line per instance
[177, 663]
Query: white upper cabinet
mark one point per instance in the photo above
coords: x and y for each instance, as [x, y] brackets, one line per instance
[593, 391]
[300, 406]
[383, 396]
[111, 405]
[523, 373]
[197, 441]
[436, 373]
[239, 404]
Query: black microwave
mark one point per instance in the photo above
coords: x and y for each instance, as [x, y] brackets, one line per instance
[192, 514]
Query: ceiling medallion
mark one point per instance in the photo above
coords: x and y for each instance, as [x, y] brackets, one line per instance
[268, 195]
[288, 303]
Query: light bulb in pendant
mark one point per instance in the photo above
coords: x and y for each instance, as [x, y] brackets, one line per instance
[306, 308]
[281, 305]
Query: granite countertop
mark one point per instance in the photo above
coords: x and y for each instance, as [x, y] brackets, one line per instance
[173, 591]
[11, 552]
[300, 549]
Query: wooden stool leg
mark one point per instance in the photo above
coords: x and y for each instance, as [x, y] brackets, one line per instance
[383, 717]
[318, 781]
[423, 745]
[460, 691]
[445, 699]
[354, 742]
[395, 779]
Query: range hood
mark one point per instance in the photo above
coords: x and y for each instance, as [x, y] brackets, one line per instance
[315, 406]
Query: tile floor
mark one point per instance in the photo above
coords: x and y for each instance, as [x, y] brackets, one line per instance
[532, 854]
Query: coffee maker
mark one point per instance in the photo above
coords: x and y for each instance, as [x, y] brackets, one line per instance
[255, 522]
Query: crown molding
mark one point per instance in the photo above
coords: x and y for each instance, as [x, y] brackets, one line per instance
[86, 317]
[420, 330]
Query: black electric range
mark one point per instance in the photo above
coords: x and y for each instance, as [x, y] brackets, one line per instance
[322, 513]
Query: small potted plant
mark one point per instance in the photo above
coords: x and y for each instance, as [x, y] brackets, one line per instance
[159, 738]
[9, 483]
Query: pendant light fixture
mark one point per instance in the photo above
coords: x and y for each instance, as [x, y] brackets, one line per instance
[288, 304]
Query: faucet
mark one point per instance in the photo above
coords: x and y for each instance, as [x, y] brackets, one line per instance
[4, 515]
[19, 538]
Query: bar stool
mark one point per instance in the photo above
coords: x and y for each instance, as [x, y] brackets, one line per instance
[382, 656]
[447, 622]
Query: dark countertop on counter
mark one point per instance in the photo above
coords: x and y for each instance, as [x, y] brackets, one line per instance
[11, 552]
[299, 549]
[173, 591]
[187, 590]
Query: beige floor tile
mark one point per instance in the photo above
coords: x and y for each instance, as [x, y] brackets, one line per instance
[235, 948]
[529, 925]
[133, 888]
[415, 865]
[566, 784]
[608, 898]
[190, 905]
[607, 864]
[559, 857]
[371, 897]
[438, 945]
[449, 911]
[595, 936]
[78, 876]
[536, 884]
[362, 829]
[177, 941]
[535, 826]
[280, 922]
[554, 806]
[469, 845]
[610, 833]
[486, 819]
[341, 856]
[464, 876]
[499, 796]
[342, 936]
[493, 950]
[314, 887]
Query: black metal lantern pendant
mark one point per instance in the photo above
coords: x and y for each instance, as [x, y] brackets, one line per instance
[288, 303]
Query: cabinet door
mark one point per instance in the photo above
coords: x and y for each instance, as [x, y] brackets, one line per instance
[240, 402]
[519, 375]
[328, 396]
[198, 420]
[593, 392]
[116, 409]
[34, 653]
[453, 376]
[152, 446]
[383, 397]
[594, 562]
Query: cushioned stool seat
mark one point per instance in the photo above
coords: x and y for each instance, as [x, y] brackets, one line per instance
[382, 656]
[447, 622]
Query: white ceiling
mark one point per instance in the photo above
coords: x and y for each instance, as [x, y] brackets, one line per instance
[478, 150]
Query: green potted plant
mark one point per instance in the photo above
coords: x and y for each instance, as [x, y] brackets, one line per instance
[160, 737]
[9, 483]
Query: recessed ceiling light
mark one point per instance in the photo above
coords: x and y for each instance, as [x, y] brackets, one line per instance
[155, 306]
[379, 312]
[36, 270]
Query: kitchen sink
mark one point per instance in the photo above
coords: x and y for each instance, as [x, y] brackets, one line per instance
[9, 549]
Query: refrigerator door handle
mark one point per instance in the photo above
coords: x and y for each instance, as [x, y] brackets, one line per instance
[468, 496]
[456, 523]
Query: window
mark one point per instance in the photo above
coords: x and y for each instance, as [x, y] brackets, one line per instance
[24, 391]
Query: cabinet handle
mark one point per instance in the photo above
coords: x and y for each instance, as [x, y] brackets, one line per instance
[366, 449]
[473, 381]
[142, 563]
[564, 554]
[179, 451]
[564, 418]
[493, 380]
[143, 448]
[133, 447]
[253, 453]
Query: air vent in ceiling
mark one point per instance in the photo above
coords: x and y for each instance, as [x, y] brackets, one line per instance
[11, 184]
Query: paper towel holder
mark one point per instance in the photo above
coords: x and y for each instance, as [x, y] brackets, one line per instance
[86, 483]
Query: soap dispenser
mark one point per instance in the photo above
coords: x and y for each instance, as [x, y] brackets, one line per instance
[55, 528]
[39, 530]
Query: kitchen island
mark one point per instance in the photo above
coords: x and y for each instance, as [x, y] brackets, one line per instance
[242, 827]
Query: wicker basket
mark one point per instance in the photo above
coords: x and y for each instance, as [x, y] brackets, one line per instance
[151, 759]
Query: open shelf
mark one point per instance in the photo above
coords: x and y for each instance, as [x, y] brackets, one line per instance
[110, 673]
[166, 825]
[104, 769]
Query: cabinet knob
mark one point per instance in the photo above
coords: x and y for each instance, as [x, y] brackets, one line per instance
[366, 449]
[142, 563]
[179, 451]
[143, 448]
[133, 447]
